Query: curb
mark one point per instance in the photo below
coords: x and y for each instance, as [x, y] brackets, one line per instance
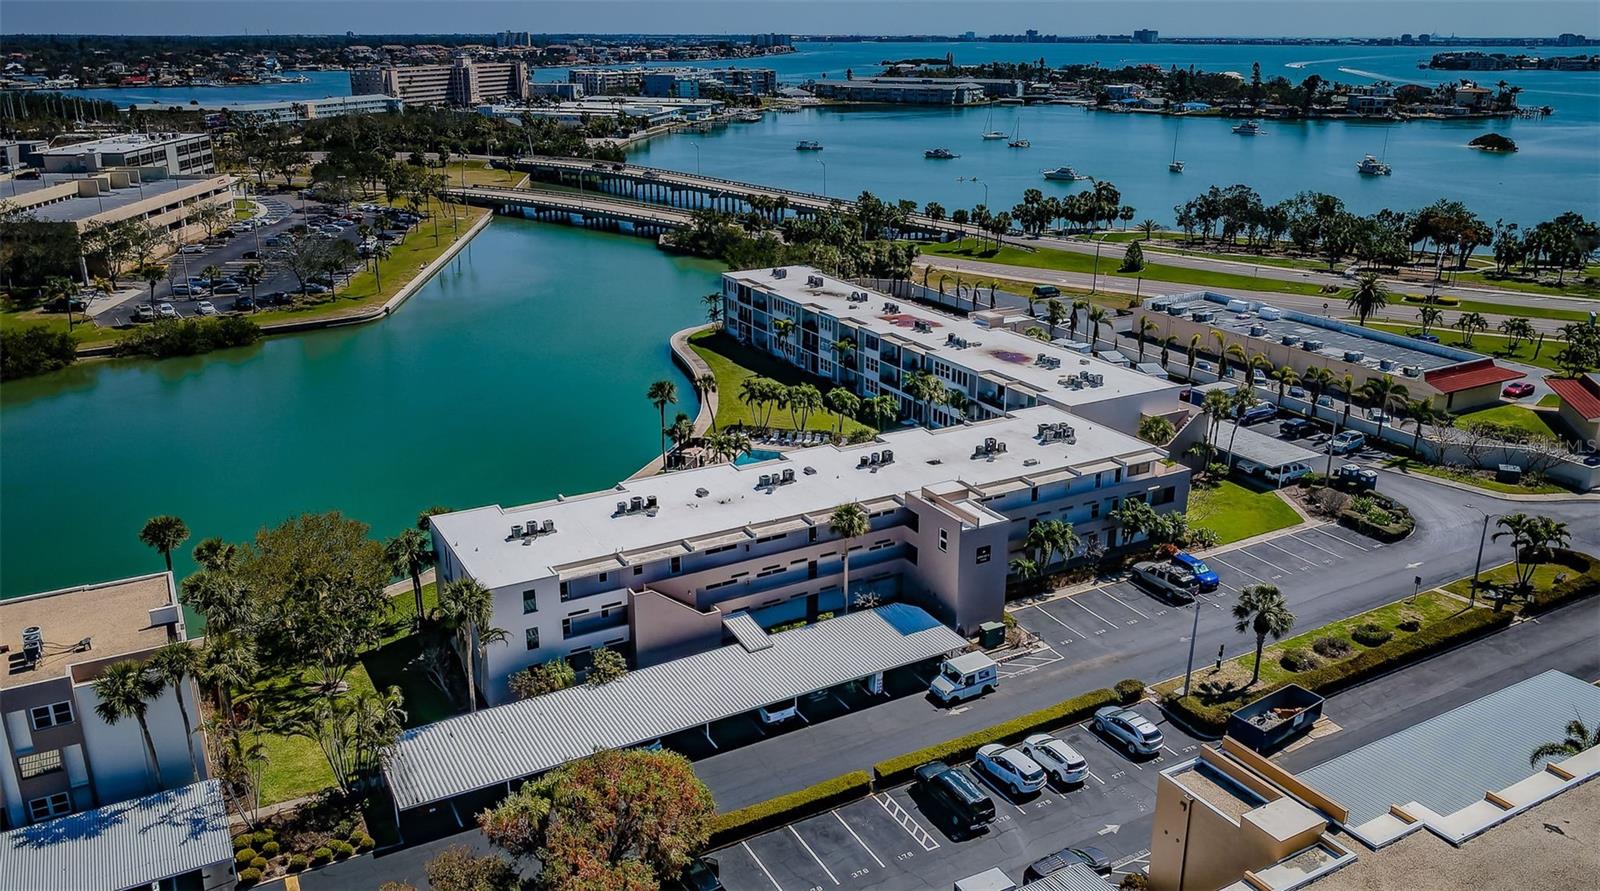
[1506, 496]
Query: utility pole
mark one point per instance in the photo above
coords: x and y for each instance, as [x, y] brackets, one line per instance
[1478, 566]
[1194, 631]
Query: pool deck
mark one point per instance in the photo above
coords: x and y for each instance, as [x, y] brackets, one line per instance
[694, 367]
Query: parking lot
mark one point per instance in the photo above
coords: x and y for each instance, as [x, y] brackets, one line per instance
[897, 840]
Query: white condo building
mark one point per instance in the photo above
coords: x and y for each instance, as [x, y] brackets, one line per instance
[656, 566]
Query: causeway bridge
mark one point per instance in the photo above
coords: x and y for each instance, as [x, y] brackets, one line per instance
[593, 210]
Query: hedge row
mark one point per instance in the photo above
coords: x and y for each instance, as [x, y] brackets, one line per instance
[798, 805]
[1584, 582]
[898, 769]
[1336, 676]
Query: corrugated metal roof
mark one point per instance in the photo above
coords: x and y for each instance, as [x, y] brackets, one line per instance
[1076, 877]
[489, 747]
[119, 846]
[1448, 762]
[1268, 451]
[747, 632]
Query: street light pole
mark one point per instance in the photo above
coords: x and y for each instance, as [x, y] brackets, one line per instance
[1094, 279]
[1478, 566]
[1194, 632]
[824, 177]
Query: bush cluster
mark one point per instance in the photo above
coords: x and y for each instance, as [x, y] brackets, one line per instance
[1371, 634]
[298, 863]
[1129, 690]
[1332, 647]
[25, 352]
[244, 855]
[270, 848]
[321, 856]
[897, 769]
[189, 337]
[249, 876]
[1297, 660]
[342, 849]
[759, 817]
[1583, 581]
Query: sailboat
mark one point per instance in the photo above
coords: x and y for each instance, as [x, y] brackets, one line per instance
[1370, 166]
[1176, 166]
[989, 131]
[1016, 137]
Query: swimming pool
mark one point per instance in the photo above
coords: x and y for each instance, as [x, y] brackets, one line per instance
[756, 456]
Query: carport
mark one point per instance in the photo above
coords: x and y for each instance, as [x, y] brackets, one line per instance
[433, 765]
[1257, 453]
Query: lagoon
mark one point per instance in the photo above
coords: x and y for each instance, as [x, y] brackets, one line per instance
[517, 373]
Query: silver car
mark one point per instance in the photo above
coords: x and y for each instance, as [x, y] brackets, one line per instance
[1129, 729]
[1167, 580]
[1060, 760]
[1010, 768]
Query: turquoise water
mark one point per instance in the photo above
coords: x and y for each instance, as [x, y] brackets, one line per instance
[518, 373]
[756, 456]
[318, 85]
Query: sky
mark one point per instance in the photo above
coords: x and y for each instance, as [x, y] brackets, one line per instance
[1356, 18]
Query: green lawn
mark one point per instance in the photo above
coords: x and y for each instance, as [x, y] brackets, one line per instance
[1235, 512]
[1110, 259]
[732, 363]
[1022, 288]
[86, 332]
[1492, 344]
[1482, 480]
[243, 208]
[1544, 575]
[1518, 416]
[1549, 400]
[1574, 286]
[296, 767]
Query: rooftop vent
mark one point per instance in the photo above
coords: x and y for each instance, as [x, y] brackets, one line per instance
[814, 281]
[888, 456]
[1386, 364]
[1411, 370]
[1258, 330]
[1290, 339]
[702, 492]
[891, 306]
[1313, 345]
[1270, 313]
[788, 475]
[1354, 355]
[991, 446]
[780, 272]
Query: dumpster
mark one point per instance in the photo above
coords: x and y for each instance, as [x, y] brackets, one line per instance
[1271, 721]
[991, 634]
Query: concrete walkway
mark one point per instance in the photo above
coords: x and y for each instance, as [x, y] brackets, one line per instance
[694, 367]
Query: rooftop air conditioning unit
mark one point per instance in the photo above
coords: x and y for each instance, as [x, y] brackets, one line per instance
[1258, 330]
[1160, 305]
[888, 458]
[814, 281]
[1270, 313]
[650, 503]
[1354, 355]
[702, 492]
[1386, 364]
[766, 480]
[863, 462]
[779, 272]
[1238, 306]
[1411, 370]
[1312, 345]
[622, 507]
[516, 530]
[788, 475]
[1203, 315]
[636, 504]
[1177, 309]
[1290, 339]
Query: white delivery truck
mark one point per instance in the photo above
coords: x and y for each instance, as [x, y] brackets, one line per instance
[964, 677]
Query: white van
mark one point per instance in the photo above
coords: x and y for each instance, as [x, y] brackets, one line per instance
[779, 712]
[964, 677]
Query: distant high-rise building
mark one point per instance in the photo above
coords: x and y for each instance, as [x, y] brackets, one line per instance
[1033, 34]
[463, 82]
[969, 35]
[514, 38]
[771, 40]
[1146, 35]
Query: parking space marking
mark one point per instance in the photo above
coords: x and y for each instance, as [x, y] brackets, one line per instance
[1170, 749]
[1344, 540]
[863, 844]
[1108, 593]
[1238, 570]
[1305, 560]
[812, 853]
[1074, 602]
[1255, 556]
[983, 777]
[907, 822]
[1052, 617]
[761, 866]
[1097, 779]
[1313, 544]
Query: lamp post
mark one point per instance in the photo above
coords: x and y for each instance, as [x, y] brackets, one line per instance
[696, 144]
[974, 179]
[1094, 279]
[1194, 632]
[1477, 567]
[824, 177]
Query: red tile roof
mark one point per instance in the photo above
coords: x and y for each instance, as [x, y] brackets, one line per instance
[1582, 393]
[1467, 375]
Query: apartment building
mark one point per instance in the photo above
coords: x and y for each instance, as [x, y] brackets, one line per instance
[900, 91]
[298, 111]
[463, 82]
[981, 356]
[693, 83]
[176, 154]
[1454, 379]
[655, 565]
[607, 81]
[60, 756]
[1447, 803]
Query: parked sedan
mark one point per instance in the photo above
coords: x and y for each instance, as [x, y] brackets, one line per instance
[1165, 580]
[1092, 857]
[205, 308]
[1517, 390]
[1060, 760]
[1129, 729]
[1347, 441]
[1204, 575]
[192, 249]
[166, 311]
[1258, 413]
[1010, 768]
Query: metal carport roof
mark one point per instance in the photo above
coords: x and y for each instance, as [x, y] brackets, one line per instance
[125, 845]
[496, 745]
[1268, 451]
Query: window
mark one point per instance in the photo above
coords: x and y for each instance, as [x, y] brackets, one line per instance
[530, 603]
[1094, 510]
[602, 576]
[983, 554]
[638, 568]
[944, 540]
[1139, 469]
[49, 806]
[50, 715]
[1035, 493]
[39, 763]
[677, 565]
[532, 637]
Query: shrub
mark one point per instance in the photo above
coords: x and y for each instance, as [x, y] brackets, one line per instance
[1133, 258]
[1129, 690]
[548, 677]
[241, 841]
[1297, 660]
[244, 856]
[260, 863]
[1409, 621]
[1582, 582]
[362, 841]
[342, 849]
[609, 665]
[298, 863]
[897, 769]
[760, 817]
[249, 876]
[1332, 647]
[261, 837]
[188, 337]
[35, 350]
[1371, 634]
[271, 849]
[321, 855]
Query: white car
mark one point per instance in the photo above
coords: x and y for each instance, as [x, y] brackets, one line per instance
[1129, 729]
[1060, 760]
[166, 311]
[192, 249]
[1010, 768]
[205, 308]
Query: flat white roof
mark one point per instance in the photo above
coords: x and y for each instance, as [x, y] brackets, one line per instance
[125, 142]
[495, 745]
[588, 526]
[995, 352]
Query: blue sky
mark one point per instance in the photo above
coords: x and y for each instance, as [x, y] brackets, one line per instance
[1233, 17]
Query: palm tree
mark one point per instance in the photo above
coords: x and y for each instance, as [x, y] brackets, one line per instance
[925, 388]
[1241, 400]
[1429, 316]
[1216, 404]
[1148, 227]
[1097, 315]
[1469, 324]
[849, 521]
[174, 664]
[1579, 739]
[1055, 312]
[1531, 538]
[253, 274]
[783, 329]
[1261, 610]
[660, 394]
[958, 403]
[705, 385]
[164, 533]
[466, 608]
[1384, 393]
[843, 404]
[713, 305]
[1194, 345]
[1048, 539]
[409, 553]
[1286, 378]
[1143, 330]
[1420, 412]
[125, 690]
[1367, 297]
[1080, 305]
[1317, 379]
[1024, 568]
[1221, 341]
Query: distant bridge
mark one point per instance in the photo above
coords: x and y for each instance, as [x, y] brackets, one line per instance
[588, 210]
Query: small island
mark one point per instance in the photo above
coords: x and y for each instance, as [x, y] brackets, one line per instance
[1493, 142]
